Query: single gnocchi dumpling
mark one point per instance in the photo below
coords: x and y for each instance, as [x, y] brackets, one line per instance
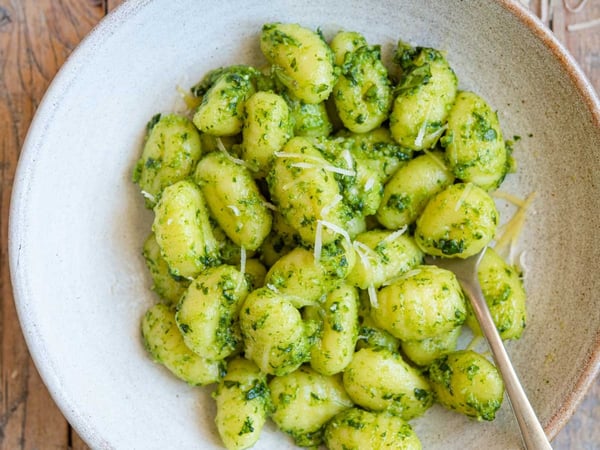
[165, 344]
[382, 256]
[475, 148]
[466, 382]
[304, 401]
[380, 380]
[303, 187]
[338, 315]
[183, 231]
[363, 92]
[234, 200]
[275, 336]
[406, 194]
[301, 60]
[171, 151]
[356, 428]
[459, 221]
[424, 97]
[505, 295]
[267, 127]
[207, 312]
[243, 402]
[222, 107]
[421, 304]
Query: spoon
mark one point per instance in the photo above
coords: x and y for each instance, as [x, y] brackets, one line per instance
[465, 270]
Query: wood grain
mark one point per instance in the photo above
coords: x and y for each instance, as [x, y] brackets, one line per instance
[36, 36]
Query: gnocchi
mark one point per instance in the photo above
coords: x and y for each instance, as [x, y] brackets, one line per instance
[293, 207]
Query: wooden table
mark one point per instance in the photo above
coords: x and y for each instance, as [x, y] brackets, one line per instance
[35, 38]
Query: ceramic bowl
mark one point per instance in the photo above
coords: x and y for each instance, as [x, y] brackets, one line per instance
[77, 222]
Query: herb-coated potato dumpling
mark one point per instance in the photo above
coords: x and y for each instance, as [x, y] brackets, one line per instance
[466, 382]
[406, 194]
[301, 60]
[457, 222]
[267, 127]
[234, 200]
[183, 231]
[243, 402]
[421, 304]
[335, 345]
[207, 312]
[504, 293]
[165, 344]
[306, 279]
[275, 337]
[304, 401]
[363, 93]
[344, 43]
[222, 107]
[383, 256]
[475, 148]
[170, 153]
[380, 380]
[303, 187]
[358, 429]
[380, 150]
[424, 96]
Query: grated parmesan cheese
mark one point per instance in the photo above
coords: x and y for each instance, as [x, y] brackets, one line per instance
[149, 196]
[318, 163]
[270, 206]
[421, 135]
[272, 287]
[242, 260]
[235, 209]
[463, 197]
[348, 158]
[373, 296]
[508, 197]
[511, 230]
[327, 209]
[396, 234]
[319, 236]
[318, 241]
[231, 158]
[327, 167]
[436, 160]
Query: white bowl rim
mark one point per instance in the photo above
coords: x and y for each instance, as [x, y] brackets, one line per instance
[50, 103]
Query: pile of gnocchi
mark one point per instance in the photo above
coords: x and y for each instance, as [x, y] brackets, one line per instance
[293, 207]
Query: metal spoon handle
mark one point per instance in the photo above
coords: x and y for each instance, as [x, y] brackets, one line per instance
[532, 432]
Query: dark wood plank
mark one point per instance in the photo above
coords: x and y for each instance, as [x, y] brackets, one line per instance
[584, 43]
[36, 36]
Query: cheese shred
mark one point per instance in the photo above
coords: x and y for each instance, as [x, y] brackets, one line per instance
[512, 229]
[231, 158]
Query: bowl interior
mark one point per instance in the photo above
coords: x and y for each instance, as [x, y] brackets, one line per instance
[78, 222]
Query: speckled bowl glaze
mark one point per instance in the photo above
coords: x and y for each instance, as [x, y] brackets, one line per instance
[77, 222]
